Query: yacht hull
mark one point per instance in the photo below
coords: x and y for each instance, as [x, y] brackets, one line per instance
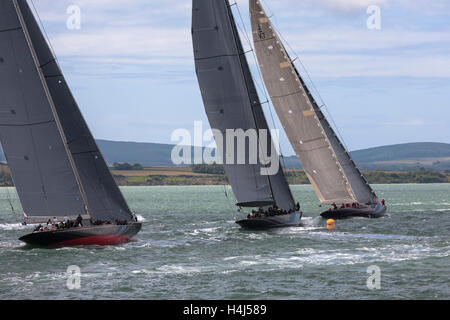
[373, 211]
[287, 220]
[104, 235]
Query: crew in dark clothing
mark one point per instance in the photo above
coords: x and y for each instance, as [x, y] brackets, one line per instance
[121, 222]
[79, 221]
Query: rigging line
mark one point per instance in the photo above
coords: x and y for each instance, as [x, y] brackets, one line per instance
[11, 205]
[324, 105]
[266, 94]
[270, 107]
[261, 85]
[239, 45]
[51, 104]
[233, 207]
[243, 62]
[235, 31]
[8, 195]
[272, 15]
[45, 33]
[243, 31]
[55, 57]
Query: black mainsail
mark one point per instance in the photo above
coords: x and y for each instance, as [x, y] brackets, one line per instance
[55, 163]
[231, 101]
[325, 160]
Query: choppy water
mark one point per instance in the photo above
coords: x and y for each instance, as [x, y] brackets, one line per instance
[190, 248]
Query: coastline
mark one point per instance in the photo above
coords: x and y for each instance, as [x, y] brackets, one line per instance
[185, 176]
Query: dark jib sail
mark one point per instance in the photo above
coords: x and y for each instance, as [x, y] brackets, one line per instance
[55, 163]
[231, 101]
[326, 162]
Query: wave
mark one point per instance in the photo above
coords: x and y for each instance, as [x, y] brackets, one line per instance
[368, 236]
[426, 210]
[204, 230]
[139, 244]
[311, 256]
[363, 255]
[178, 269]
[140, 218]
[310, 221]
[15, 226]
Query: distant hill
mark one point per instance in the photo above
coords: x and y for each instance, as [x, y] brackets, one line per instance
[408, 151]
[146, 154]
[405, 157]
[402, 157]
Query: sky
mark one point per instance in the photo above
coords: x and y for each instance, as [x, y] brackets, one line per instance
[130, 65]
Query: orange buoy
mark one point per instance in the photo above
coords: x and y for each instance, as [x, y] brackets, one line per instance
[331, 224]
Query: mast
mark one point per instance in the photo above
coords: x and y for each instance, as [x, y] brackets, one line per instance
[231, 101]
[241, 53]
[52, 105]
[106, 201]
[325, 160]
[55, 163]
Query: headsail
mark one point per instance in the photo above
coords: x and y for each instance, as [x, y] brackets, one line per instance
[231, 100]
[326, 162]
[54, 160]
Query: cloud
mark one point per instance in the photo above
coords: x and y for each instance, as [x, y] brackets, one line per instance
[138, 54]
[348, 5]
[130, 41]
[358, 7]
[407, 123]
[138, 32]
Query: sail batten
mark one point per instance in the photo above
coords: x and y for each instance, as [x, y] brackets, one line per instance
[55, 163]
[325, 160]
[231, 101]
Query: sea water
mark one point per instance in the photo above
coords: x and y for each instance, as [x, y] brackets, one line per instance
[191, 248]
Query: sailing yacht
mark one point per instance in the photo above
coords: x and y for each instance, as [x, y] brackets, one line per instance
[56, 166]
[231, 102]
[329, 167]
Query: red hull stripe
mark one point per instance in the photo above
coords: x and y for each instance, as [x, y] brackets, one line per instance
[109, 240]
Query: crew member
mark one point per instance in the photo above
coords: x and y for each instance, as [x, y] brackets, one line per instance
[79, 221]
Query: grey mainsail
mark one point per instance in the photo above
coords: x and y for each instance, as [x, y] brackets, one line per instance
[325, 161]
[55, 163]
[231, 100]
